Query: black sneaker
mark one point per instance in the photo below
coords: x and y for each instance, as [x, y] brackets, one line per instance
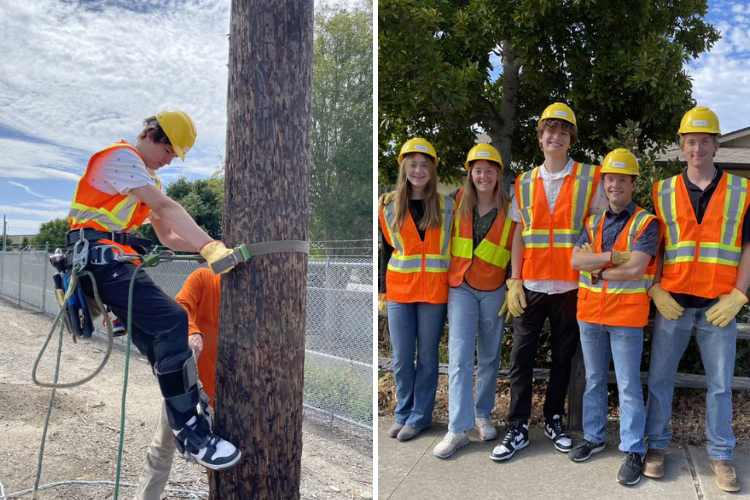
[516, 438]
[630, 470]
[196, 442]
[554, 430]
[584, 450]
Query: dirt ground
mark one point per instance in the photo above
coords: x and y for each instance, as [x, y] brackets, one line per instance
[83, 435]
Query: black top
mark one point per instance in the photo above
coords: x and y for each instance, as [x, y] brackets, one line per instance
[699, 199]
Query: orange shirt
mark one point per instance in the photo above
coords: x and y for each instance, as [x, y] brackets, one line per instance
[200, 297]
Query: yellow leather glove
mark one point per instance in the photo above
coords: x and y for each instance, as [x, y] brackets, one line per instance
[724, 311]
[516, 297]
[616, 258]
[667, 306]
[383, 304]
[386, 198]
[587, 248]
[213, 251]
[504, 310]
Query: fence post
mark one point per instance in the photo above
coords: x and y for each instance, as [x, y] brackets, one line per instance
[20, 275]
[44, 276]
[2, 269]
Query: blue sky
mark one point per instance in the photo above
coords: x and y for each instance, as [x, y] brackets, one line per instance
[77, 75]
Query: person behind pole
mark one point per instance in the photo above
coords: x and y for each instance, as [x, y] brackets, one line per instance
[415, 224]
[551, 203]
[482, 235]
[700, 286]
[118, 192]
[200, 296]
[616, 257]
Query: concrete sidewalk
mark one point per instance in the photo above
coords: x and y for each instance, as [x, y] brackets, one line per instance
[408, 471]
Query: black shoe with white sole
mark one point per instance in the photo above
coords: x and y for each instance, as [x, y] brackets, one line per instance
[554, 430]
[196, 442]
[584, 450]
[516, 438]
[630, 470]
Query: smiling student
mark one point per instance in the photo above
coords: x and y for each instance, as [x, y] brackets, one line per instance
[551, 204]
[616, 257]
[482, 235]
[705, 272]
[415, 225]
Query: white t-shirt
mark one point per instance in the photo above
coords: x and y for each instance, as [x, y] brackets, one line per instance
[119, 170]
[552, 186]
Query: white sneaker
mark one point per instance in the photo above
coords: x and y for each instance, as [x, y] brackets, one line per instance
[486, 430]
[450, 444]
[554, 430]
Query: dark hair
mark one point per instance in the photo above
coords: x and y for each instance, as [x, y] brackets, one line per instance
[151, 127]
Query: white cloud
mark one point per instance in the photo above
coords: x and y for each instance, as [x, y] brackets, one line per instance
[26, 188]
[29, 160]
[85, 77]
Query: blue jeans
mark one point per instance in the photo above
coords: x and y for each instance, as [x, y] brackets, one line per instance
[718, 349]
[624, 344]
[472, 319]
[415, 326]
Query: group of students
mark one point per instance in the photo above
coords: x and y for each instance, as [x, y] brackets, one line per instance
[583, 256]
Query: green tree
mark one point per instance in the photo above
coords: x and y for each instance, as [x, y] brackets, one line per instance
[52, 232]
[448, 68]
[341, 169]
[201, 198]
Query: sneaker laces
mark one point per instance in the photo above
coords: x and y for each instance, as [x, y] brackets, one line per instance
[510, 431]
[631, 460]
[557, 426]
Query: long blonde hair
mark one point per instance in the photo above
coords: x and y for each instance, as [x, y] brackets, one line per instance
[432, 217]
[469, 200]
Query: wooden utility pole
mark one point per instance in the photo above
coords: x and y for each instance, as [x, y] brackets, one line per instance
[261, 351]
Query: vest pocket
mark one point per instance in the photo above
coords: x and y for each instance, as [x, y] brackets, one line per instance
[634, 298]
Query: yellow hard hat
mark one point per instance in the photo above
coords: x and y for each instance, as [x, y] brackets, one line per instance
[620, 161]
[484, 152]
[560, 111]
[180, 130]
[418, 145]
[699, 120]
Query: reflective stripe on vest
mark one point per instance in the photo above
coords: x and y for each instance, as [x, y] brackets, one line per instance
[433, 263]
[106, 212]
[482, 268]
[417, 270]
[635, 226]
[549, 238]
[613, 302]
[702, 259]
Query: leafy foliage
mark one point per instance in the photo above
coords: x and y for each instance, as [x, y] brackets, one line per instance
[52, 232]
[448, 68]
[201, 198]
[341, 169]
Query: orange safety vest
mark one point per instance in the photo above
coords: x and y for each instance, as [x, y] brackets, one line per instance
[417, 270]
[701, 259]
[483, 268]
[549, 238]
[107, 212]
[611, 302]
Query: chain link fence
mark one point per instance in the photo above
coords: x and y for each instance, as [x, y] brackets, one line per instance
[339, 346]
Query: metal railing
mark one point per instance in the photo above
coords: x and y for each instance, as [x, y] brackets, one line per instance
[339, 347]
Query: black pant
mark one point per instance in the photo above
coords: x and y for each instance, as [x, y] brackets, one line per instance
[160, 324]
[561, 310]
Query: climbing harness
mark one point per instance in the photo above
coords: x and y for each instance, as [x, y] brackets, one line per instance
[75, 262]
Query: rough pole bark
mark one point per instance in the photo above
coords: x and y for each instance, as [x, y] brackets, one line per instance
[260, 364]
